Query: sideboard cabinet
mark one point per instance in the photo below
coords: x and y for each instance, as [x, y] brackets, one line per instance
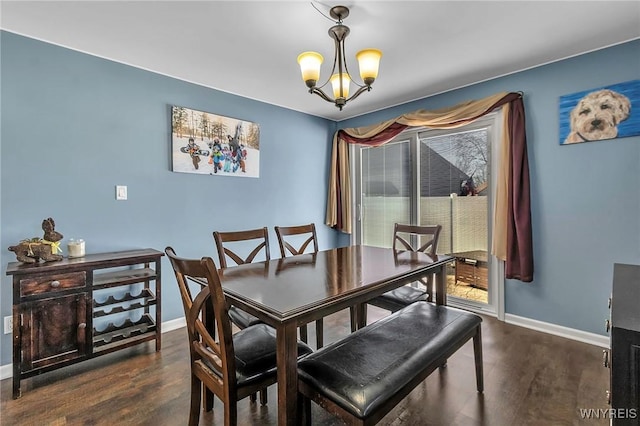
[79, 308]
[625, 345]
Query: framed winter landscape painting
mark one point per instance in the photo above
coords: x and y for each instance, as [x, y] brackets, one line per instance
[210, 144]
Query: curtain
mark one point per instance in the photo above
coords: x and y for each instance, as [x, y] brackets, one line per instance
[512, 234]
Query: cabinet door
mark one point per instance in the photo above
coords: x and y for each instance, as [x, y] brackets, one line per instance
[625, 376]
[54, 331]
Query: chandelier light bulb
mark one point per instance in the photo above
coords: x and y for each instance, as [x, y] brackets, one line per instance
[369, 62]
[335, 84]
[310, 67]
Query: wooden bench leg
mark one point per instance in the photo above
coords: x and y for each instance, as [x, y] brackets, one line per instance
[319, 333]
[352, 312]
[304, 410]
[303, 333]
[477, 354]
[431, 288]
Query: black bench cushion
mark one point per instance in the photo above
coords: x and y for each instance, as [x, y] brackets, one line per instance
[362, 371]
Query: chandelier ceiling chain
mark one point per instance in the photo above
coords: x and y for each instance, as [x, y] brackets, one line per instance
[368, 60]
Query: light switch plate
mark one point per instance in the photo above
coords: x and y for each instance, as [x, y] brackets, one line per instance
[121, 192]
[8, 324]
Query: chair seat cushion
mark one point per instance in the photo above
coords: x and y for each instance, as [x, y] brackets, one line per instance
[365, 369]
[404, 295]
[241, 318]
[255, 350]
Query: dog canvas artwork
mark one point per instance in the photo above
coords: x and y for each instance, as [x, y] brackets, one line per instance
[597, 116]
[601, 114]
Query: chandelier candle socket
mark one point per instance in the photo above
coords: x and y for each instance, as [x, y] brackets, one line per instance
[368, 61]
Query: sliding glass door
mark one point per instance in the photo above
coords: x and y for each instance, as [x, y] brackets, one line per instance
[429, 177]
[453, 189]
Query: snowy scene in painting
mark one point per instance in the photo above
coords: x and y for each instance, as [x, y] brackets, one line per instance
[211, 144]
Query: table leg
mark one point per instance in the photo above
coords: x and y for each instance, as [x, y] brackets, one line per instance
[441, 285]
[287, 373]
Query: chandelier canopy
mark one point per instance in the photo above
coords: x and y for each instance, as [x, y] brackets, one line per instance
[340, 78]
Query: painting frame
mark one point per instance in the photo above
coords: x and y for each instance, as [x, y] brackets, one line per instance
[211, 144]
[603, 113]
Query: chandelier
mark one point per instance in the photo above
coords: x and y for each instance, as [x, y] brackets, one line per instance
[368, 60]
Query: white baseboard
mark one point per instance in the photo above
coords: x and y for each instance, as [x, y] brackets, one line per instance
[173, 324]
[6, 371]
[558, 330]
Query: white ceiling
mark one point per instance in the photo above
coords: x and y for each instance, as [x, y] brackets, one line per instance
[249, 48]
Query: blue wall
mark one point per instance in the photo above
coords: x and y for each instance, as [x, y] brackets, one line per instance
[585, 198]
[74, 126]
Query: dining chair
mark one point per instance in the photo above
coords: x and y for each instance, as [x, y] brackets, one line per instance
[425, 239]
[308, 234]
[234, 366]
[239, 240]
[303, 236]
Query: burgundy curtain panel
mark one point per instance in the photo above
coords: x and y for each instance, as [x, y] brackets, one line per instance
[519, 263]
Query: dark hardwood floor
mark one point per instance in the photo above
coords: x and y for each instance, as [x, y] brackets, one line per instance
[531, 378]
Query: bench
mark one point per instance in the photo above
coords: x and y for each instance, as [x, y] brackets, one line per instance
[365, 375]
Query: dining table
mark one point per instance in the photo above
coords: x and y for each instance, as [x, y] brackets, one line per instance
[289, 292]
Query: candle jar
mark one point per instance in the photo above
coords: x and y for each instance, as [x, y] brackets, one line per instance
[75, 248]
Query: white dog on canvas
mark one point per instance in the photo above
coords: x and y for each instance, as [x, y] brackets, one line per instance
[596, 116]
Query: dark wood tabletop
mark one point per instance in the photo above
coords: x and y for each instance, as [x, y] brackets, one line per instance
[298, 287]
[286, 293]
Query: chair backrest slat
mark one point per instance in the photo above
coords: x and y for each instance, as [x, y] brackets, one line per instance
[284, 231]
[429, 247]
[224, 251]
